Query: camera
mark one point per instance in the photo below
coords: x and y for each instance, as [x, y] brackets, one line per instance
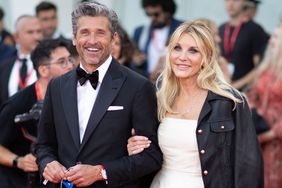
[29, 120]
[28, 123]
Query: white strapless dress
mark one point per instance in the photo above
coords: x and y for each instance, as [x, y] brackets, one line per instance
[181, 166]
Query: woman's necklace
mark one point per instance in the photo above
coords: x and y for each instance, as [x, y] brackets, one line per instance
[197, 97]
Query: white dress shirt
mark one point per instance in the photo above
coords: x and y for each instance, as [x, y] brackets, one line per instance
[13, 84]
[156, 47]
[86, 97]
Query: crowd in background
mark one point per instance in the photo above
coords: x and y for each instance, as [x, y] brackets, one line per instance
[250, 60]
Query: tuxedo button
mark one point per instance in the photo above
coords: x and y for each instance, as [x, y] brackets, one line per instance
[202, 151]
[206, 172]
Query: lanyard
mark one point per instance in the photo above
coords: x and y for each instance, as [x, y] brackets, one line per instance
[22, 84]
[37, 91]
[229, 44]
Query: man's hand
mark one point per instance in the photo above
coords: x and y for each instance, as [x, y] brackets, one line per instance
[54, 172]
[27, 163]
[84, 175]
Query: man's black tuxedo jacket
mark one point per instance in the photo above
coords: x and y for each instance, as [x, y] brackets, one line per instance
[5, 72]
[105, 138]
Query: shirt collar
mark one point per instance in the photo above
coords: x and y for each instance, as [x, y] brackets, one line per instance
[102, 69]
[24, 56]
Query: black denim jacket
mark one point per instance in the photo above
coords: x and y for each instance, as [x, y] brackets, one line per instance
[229, 152]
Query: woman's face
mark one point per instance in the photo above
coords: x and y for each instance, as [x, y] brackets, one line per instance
[116, 48]
[185, 58]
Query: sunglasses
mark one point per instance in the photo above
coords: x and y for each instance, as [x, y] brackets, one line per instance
[154, 14]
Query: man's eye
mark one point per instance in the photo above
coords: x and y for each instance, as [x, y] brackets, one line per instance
[61, 61]
[84, 33]
[100, 32]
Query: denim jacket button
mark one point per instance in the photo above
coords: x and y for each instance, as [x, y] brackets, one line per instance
[202, 151]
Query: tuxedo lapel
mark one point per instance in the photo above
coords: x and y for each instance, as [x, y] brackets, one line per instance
[110, 87]
[69, 102]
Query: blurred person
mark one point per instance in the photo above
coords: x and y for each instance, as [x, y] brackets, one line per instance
[5, 36]
[88, 113]
[266, 97]
[222, 61]
[74, 54]
[46, 12]
[50, 59]
[7, 41]
[17, 72]
[206, 132]
[123, 50]
[152, 39]
[243, 43]
[6, 52]
[158, 69]
[250, 8]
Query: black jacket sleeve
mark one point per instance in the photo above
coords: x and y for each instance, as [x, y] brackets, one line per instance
[248, 168]
[145, 122]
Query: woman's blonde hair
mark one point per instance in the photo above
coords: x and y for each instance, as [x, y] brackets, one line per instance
[210, 77]
[273, 56]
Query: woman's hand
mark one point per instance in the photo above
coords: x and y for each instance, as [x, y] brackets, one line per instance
[266, 136]
[136, 144]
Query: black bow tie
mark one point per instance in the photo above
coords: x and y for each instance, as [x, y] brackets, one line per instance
[83, 77]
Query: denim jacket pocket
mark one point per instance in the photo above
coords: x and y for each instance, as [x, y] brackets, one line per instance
[223, 131]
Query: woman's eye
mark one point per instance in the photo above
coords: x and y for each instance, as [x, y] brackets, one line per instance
[193, 51]
[177, 48]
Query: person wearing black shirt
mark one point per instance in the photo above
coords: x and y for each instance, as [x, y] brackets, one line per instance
[243, 43]
[50, 59]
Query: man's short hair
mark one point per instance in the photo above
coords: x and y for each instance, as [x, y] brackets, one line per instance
[45, 5]
[19, 20]
[167, 5]
[94, 9]
[42, 53]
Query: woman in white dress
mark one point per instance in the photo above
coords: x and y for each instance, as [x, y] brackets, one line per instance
[206, 132]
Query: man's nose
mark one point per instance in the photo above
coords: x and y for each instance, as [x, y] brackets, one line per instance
[92, 38]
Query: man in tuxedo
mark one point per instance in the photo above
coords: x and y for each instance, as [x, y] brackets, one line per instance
[50, 59]
[17, 72]
[88, 113]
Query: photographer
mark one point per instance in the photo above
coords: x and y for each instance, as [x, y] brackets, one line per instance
[51, 58]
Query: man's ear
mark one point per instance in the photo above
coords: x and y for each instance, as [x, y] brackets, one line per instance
[43, 71]
[15, 36]
[73, 39]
